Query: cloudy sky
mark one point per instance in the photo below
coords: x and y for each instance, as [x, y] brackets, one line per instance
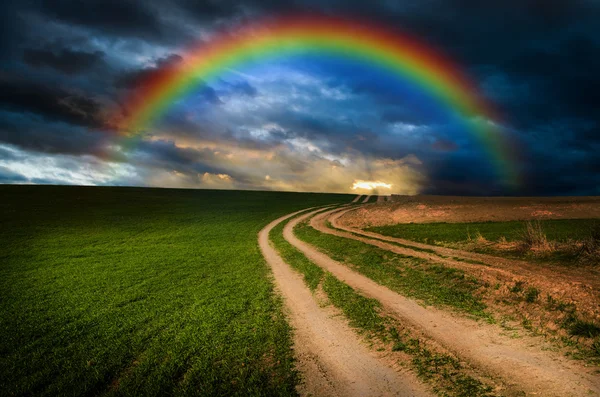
[304, 123]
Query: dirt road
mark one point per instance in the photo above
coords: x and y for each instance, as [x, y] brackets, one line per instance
[332, 359]
[566, 283]
[519, 362]
[366, 200]
[356, 198]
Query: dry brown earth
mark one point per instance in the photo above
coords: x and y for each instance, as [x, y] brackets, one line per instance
[426, 209]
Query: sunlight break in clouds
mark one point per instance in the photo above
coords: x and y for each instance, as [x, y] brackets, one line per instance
[370, 185]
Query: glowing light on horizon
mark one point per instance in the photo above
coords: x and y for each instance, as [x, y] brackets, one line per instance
[370, 185]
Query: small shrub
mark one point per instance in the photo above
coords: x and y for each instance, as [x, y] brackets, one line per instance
[584, 328]
[553, 304]
[569, 320]
[532, 294]
[596, 347]
[565, 307]
[518, 287]
[469, 386]
[590, 248]
[399, 346]
[595, 233]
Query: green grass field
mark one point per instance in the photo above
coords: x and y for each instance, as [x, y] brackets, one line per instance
[130, 291]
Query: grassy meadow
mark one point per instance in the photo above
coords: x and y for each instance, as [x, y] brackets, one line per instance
[132, 291]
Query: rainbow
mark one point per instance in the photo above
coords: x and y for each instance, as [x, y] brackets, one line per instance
[401, 55]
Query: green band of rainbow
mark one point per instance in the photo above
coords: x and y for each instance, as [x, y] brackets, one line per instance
[400, 55]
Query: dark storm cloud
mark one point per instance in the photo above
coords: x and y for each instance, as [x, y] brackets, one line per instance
[562, 81]
[11, 33]
[113, 17]
[32, 132]
[65, 60]
[444, 145]
[209, 10]
[165, 154]
[567, 166]
[447, 175]
[558, 178]
[53, 103]
[8, 176]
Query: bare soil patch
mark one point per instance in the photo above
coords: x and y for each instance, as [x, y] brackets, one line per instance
[427, 209]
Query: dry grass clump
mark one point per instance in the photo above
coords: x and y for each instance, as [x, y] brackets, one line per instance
[586, 251]
[533, 238]
[477, 240]
[480, 239]
[577, 248]
[590, 248]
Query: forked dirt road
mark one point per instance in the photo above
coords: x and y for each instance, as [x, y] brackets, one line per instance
[518, 362]
[563, 282]
[331, 357]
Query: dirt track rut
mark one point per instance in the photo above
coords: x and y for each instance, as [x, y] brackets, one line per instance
[519, 362]
[332, 359]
